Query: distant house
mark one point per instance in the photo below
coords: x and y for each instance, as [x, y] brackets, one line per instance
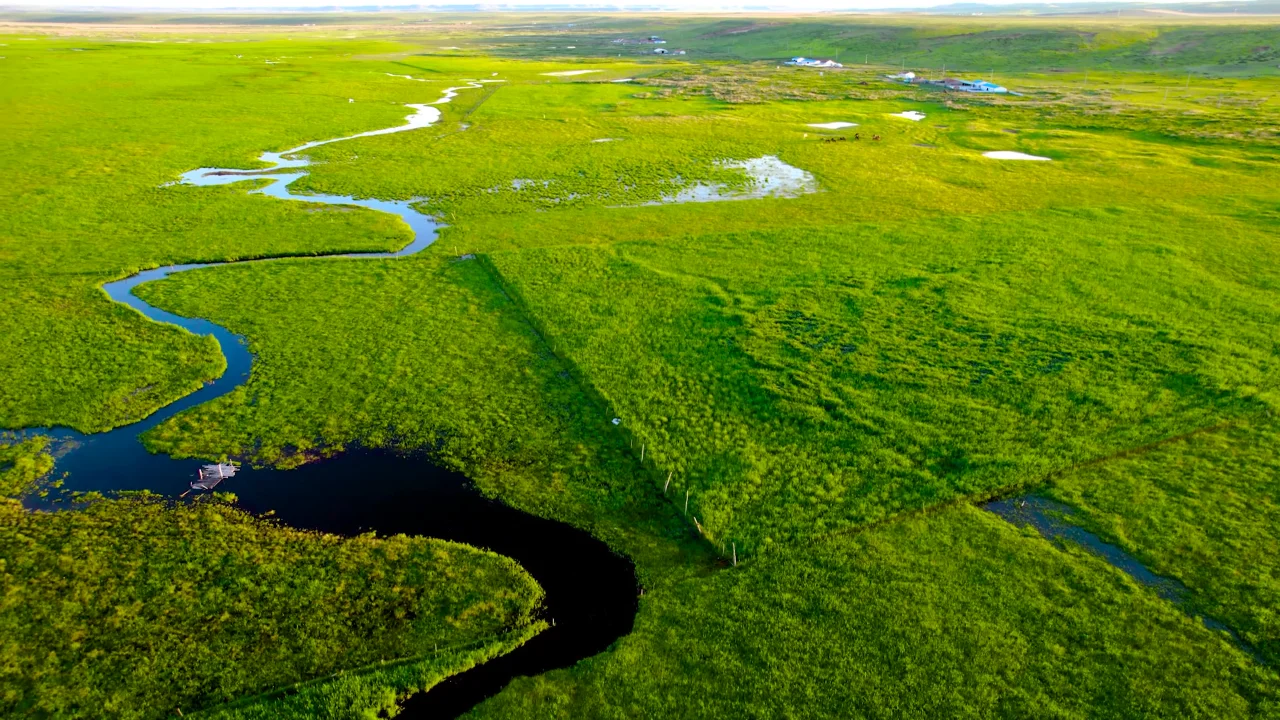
[956, 84]
[982, 86]
[906, 77]
[813, 62]
[660, 51]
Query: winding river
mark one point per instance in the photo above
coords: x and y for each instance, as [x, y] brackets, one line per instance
[591, 592]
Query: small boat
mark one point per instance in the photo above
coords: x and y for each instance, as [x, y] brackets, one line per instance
[211, 475]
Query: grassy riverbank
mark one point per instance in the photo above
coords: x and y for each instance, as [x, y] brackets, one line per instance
[139, 608]
[103, 128]
[818, 387]
[954, 615]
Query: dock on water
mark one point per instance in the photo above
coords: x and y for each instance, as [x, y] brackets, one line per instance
[211, 475]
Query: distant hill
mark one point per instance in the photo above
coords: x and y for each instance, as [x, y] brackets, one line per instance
[1251, 7]
[1128, 8]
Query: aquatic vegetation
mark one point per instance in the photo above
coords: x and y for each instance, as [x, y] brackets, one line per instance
[23, 464]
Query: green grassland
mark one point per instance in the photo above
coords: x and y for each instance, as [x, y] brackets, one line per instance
[953, 615]
[1201, 509]
[139, 608]
[457, 371]
[932, 325]
[802, 382]
[829, 380]
[1209, 46]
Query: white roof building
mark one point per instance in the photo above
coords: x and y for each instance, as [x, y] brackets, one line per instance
[813, 62]
[982, 86]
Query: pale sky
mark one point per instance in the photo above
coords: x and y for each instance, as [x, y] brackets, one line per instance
[696, 5]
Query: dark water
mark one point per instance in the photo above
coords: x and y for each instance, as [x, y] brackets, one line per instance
[591, 592]
[1052, 520]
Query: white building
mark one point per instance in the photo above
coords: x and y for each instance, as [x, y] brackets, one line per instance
[813, 62]
[981, 86]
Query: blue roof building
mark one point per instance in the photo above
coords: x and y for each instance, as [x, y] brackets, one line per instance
[982, 86]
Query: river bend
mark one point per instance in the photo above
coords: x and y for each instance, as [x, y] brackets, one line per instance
[590, 590]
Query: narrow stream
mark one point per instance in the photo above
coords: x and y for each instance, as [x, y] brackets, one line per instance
[591, 592]
[1051, 520]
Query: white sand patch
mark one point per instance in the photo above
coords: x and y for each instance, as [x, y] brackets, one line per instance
[912, 115]
[1012, 155]
[449, 47]
[408, 77]
[833, 125]
[622, 80]
[571, 73]
[604, 140]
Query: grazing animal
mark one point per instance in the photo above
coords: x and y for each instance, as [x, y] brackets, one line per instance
[857, 136]
[876, 138]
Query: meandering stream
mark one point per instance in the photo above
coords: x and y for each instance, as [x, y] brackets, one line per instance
[590, 590]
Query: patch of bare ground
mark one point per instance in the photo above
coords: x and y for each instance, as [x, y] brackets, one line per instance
[754, 84]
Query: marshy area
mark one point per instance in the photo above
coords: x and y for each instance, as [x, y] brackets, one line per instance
[570, 384]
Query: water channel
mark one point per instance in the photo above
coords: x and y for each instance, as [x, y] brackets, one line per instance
[591, 592]
[1053, 521]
